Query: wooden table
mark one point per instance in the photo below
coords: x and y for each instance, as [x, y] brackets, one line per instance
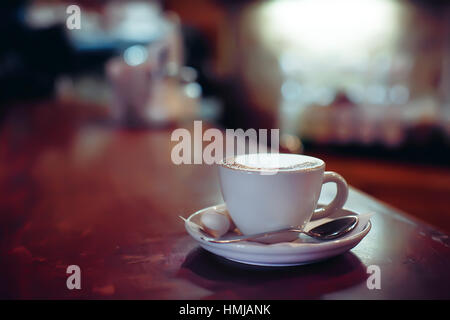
[108, 200]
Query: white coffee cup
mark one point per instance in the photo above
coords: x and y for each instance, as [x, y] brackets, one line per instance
[266, 192]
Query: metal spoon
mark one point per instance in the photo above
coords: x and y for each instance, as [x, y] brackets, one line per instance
[326, 231]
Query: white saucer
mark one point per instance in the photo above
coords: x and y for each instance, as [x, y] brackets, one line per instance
[304, 250]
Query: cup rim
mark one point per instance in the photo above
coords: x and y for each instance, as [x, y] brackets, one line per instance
[222, 163]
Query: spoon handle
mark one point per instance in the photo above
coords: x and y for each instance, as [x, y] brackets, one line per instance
[251, 237]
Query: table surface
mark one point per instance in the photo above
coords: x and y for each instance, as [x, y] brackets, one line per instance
[73, 192]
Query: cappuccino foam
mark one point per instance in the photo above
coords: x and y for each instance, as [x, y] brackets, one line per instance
[272, 162]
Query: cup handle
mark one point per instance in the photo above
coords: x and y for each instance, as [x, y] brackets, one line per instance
[340, 198]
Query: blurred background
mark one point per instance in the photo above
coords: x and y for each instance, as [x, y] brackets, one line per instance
[362, 84]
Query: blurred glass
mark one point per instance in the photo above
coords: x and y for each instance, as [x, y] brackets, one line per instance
[141, 77]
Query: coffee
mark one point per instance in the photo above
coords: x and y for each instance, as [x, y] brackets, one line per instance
[272, 162]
